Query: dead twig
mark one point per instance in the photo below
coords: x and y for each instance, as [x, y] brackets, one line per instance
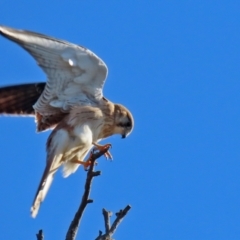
[111, 230]
[73, 228]
[40, 235]
[107, 215]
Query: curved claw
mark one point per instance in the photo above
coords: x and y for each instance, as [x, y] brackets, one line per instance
[108, 155]
[101, 148]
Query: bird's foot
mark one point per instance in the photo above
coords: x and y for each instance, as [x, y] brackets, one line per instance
[102, 148]
[86, 163]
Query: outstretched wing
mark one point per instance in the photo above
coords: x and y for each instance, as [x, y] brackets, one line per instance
[19, 99]
[75, 74]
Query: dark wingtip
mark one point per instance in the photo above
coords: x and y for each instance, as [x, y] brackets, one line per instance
[19, 99]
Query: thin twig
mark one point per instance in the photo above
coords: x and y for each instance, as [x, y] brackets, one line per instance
[40, 235]
[107, 215]
[73, 228]
[120, 215]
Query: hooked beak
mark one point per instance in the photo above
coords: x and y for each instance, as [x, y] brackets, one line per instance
[124, 135]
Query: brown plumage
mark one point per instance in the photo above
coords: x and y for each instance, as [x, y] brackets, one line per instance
[19, 99]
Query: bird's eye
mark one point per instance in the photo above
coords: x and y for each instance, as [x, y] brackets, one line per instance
[128, 124]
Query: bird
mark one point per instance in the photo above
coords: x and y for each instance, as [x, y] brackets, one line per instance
[70, 103]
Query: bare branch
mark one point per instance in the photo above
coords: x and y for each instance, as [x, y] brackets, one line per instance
[107, 215]
[40, 235]
[120, 215]
[73, 228]
[110, 231]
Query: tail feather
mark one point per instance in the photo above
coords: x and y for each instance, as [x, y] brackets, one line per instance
[45, 183]
[41, 193]
[55, 147]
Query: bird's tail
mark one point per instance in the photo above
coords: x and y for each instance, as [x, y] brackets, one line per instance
[43, 188]
[56, 144]
[19, 99]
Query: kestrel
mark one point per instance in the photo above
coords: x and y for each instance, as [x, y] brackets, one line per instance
[71, 102]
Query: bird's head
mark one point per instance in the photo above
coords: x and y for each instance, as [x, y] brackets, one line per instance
[123, 121]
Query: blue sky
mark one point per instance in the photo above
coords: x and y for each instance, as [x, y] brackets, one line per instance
[175, 65]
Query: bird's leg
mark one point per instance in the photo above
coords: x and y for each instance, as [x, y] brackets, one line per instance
[101, 148]
[86, 163]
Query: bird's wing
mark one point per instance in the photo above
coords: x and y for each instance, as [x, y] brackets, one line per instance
[19, 99]
[56, 146]
[75, 74]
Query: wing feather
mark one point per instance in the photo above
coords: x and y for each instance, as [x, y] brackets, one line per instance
[75, 74]
[19, 99]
